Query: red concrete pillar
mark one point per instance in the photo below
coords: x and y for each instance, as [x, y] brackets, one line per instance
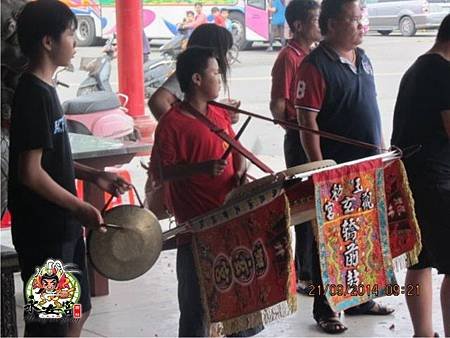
[130, 61]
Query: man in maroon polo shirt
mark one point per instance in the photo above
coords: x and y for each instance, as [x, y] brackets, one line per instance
[302, 17]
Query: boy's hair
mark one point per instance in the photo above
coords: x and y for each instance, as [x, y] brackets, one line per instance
[192, 60]
[39, 19]
[219, 39]
[443, 34]
[215, 10]
[190, 13]
[299, 10]
[198, 4]
[224, 10]
[330, 9]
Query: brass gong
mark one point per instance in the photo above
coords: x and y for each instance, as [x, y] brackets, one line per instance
[129, 250]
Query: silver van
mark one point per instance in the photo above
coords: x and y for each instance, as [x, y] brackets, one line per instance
[406, 15]
[445, 4]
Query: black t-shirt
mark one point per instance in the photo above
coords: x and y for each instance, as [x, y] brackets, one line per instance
[424, 93]
[37, 122]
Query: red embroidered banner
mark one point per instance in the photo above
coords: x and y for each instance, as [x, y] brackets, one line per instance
[404, 232]
[245, 265]
[352, 234]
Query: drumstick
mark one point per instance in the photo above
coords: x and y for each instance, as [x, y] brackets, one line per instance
[254, 149]
[238, 135]
[113, 226]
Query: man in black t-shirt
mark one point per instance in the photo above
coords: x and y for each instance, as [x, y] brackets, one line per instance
[46, 214]
[422, 117]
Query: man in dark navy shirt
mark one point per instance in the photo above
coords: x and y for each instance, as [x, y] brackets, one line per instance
[336, 93]
[422, 117]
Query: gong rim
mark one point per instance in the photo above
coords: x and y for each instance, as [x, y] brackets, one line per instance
[125, 254]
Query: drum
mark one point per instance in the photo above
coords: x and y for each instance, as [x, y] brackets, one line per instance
[299, 192]
[301, 200]
[250, 189]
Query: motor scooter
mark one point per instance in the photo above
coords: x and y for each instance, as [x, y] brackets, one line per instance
[156, 72]
[175, 45]
[99, 70]
[178, 43]
[99, 113]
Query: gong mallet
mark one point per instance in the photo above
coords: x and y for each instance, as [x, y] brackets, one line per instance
[238, 135]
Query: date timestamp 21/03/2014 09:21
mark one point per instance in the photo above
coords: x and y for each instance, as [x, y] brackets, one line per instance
[362, 290]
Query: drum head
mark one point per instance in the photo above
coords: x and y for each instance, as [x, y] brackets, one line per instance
[124, 254]
[250, 189]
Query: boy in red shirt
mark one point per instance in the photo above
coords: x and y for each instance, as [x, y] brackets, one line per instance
[218, 18]
[186, 158]
[302, 17]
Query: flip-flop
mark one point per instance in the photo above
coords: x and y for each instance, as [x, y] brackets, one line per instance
[375, 310]
[331, 325]
[435, 335]
[305, 288]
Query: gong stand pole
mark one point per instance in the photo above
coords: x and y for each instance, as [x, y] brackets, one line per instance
[295, 126]
[175, 231]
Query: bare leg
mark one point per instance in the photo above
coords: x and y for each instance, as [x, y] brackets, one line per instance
[445, 304]
[75, 327]
[420, 306]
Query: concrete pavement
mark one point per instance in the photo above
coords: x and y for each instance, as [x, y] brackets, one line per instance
[147, 306]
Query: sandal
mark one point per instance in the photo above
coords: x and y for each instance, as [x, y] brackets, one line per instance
[305, 288]
[331, 325]
[435, 335]
[376, 310]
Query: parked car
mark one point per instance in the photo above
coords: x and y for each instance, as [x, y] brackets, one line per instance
[404, 15]
[443, 3]
[365, 18]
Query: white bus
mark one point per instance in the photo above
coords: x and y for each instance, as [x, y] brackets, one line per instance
[97, 18]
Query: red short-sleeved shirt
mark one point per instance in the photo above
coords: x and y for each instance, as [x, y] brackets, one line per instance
[311, 88]
[284, 71]
[219, 20]
[182, 139]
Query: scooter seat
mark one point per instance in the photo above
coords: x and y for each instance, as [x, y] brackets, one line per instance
[93, 102]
